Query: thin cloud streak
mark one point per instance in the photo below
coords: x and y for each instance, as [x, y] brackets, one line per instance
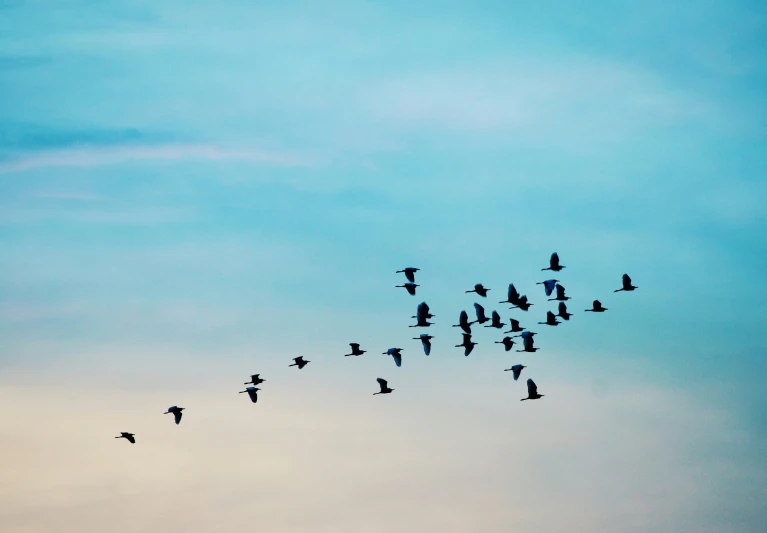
[95, 157]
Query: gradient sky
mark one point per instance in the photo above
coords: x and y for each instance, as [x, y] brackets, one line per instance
[191, 192]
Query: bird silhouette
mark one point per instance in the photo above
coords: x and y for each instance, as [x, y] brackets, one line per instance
[554, 263]
[130, 437]
[512, 296]
[425, 341]
[522, 304]
[560, 294]
[252, 392]
[463, 322]
[355, 350]
[563, 311]
[627, 286]
[507, 343]
[517, 370]
[515, 327]
[410, 287]
[551, 319]
[527, 343]
[526, 334]
[409, 273]
[495, 321]
[548, 285]
[480, 311]
[384, 386]
[597, 307]
[255, 379]
[300, 362]
[396, 355]
[176, 413]
[532, 391]
[467, 344]
[421, 315]
[479, 289]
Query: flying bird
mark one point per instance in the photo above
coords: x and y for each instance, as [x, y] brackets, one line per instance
[563, 311]
[425, 341]
[551, 319]
[479, 289]
[526, 334]
[463, 322]
[548, 285]
[410, 287]
[532, 391]
[129, 436]
[517, 370]
[421, 315]
[396, 355]
[512, 296]
[495, 321]
[384, 386]
[507, 343]
[481, 318]
[515, 327]
[522, 304]
[527, 343]
[627, 286]
[409, 273]
[355, 350]
[554, 263]
[467, 344]
[252, 392]
[597, 307]
[560, 294]
[176, 413]
[255, 379]
[300, 362]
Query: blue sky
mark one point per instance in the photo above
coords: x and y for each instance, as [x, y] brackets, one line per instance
[190, 193]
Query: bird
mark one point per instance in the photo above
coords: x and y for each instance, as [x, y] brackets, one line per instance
[384, 386]
[409, 273]
[396, 355]
[515, 328]
[548, 285]
[463, 322]
[421, 315]
[522, 304]
[597, 307]
[425, 341]
[563, 311]
[532, 391]
[517, 370]
[527, 343]
[507, 343]
[551, 319]
[176, 413]
[481, 318]
[479, 289]
[554, 263]
[495, 321]
[627, 286]
[560, 294]
[252, 392]
[467, 344]
[512, 297]
[526, 334]
[255, 379]
[300, 362]
[410, 287]
[355, 350]
[131, 437]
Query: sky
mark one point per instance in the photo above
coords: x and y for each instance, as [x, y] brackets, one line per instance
[191, 192]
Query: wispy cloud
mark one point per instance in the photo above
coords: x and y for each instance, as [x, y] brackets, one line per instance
[102, 156]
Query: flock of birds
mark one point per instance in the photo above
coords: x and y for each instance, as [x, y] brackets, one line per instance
[423, 314]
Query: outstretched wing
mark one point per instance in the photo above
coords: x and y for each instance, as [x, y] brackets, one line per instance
[253, 393]
[516, 370]
[554, 261]
[532, 389]
[513, 294]
[410, 274]
[548, 286]
[383, 383]
[560, 291]
[480, 311]
[130, 438]
[426, 345]
[397, 358]
[354, 346]
[177, 415]
[626, 281]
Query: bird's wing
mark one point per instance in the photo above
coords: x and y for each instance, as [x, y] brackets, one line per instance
[517, 369]
[597, 304]
[397, 358]
[532, 389]
[626, 280]
[177, 416]
[426, 346]
[382, 382]
[410, 275]
[130, 438]
[562, 308]
[550, 316]
[354, 346]
[253, 395]
[554, 259]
